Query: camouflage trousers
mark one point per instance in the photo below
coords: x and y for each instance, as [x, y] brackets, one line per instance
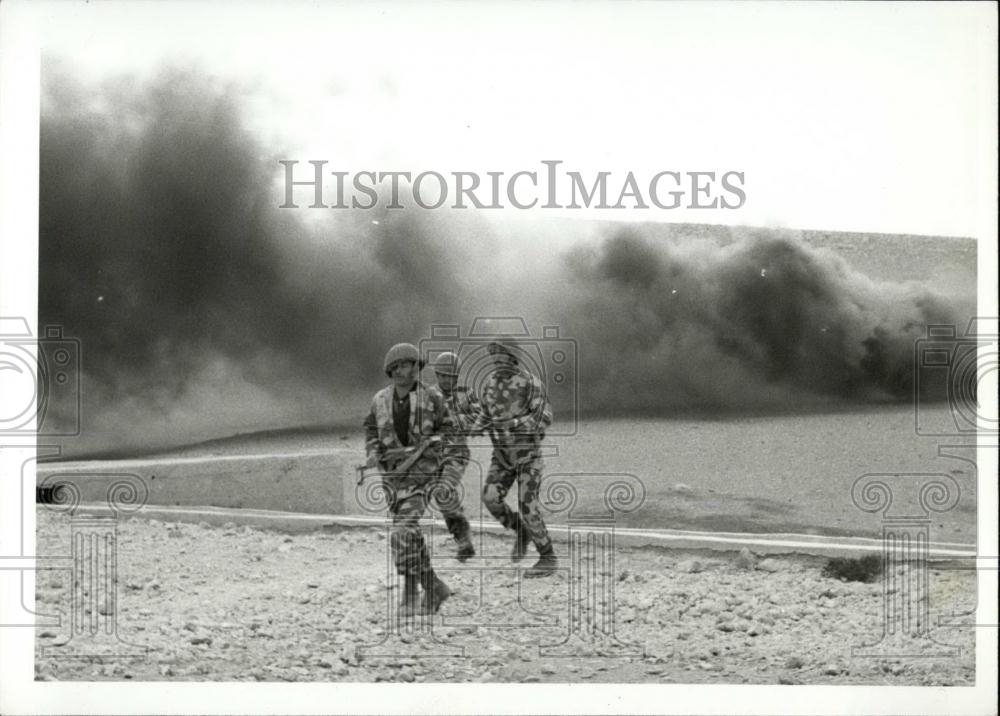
[524, 464]
[447, 494]
[407, 500]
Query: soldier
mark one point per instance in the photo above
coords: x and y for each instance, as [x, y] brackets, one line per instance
[403, 439]
[516, 411]
[461, 408]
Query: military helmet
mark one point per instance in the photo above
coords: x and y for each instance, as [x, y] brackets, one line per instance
[503, 344]
[446, 364]
[401, 352]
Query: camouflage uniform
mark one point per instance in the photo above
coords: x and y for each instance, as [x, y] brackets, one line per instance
[407, 492]
[461, 411]
[516, 411]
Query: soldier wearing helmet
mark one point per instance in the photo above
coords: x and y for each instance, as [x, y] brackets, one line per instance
[516, 411]
[403, 439]
[461, 409]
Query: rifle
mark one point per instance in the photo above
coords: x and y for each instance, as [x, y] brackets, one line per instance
[401, 467]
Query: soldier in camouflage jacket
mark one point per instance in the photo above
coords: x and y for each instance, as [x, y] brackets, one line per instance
[516, 412]
[403, 439]
[461, 411]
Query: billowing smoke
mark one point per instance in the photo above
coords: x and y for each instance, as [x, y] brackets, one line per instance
[764, 321]
[203, 309]
[194, 297]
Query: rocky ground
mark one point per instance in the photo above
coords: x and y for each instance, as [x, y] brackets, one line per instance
[236, 603]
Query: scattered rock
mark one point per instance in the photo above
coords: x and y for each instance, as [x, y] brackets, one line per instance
[746, 559]
[769, 565]
[349, 655]
[691, 566]
[698, 623]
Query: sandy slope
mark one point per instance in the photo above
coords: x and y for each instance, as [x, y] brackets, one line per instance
[779, 473]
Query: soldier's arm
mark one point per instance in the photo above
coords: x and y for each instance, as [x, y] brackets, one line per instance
[439, 415]
[474, 419]
[538, 417]
[440, 412]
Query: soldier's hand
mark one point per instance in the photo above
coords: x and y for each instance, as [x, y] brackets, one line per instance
[505, 425]
[395, 454]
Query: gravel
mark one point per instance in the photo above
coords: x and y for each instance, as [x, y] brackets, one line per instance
[238, 603]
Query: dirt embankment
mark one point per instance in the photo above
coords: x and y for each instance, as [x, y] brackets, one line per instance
[235, 603]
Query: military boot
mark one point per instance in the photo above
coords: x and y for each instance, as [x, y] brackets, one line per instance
[546, 564]
[459, 528]
[522, 538]
[435, 592]
[465, 549]
[409, 605]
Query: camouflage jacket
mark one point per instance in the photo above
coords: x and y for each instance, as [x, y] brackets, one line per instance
[427, 415]
[515, 408]
[462, 416]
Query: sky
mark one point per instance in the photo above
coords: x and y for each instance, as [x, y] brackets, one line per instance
[842, 117]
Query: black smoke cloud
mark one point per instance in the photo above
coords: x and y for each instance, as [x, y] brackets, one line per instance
[203, 309]
[761, 322]
[162, 250]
